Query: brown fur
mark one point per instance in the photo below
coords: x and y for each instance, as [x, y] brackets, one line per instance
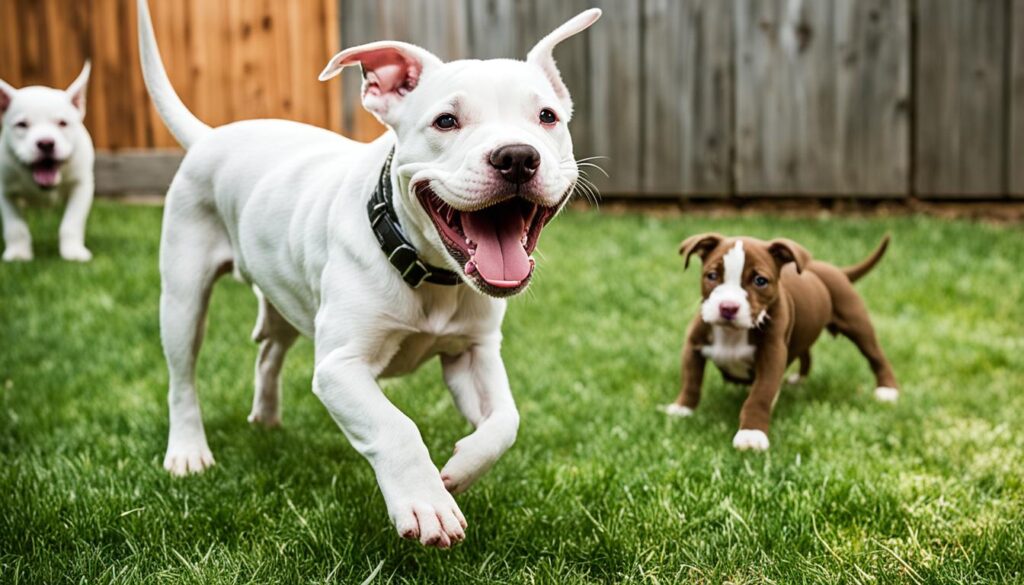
[802, 298]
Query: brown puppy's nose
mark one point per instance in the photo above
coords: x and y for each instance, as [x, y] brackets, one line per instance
[728, 310]
[517, 163]
[45, 146]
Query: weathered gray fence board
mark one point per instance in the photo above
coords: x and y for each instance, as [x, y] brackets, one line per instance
[136, 171]
[1015, 159]
[687, 97]
[960, 107]
[616, 70]
[810, 119]
[873, 92]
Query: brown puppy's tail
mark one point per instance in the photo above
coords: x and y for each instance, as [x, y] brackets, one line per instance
[855, 272]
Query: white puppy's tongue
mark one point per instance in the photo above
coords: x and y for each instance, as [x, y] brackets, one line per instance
[46, 175]
[500, 257]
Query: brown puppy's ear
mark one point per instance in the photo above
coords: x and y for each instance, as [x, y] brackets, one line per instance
[700, 244]
[785, 250]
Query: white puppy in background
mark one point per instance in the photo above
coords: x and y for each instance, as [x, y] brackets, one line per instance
[45, 150]
[386, 254]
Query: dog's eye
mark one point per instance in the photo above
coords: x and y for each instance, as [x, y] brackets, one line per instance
[62, 123]
[711, 276]
[22, 124]
[547, 117]
[760, 281]
[445, 122]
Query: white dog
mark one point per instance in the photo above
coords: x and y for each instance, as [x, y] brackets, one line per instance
[45, 150]
[386, 254]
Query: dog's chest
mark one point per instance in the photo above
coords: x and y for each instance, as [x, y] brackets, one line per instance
[731, 351]
[442, 329]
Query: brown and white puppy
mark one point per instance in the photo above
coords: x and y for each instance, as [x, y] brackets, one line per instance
[765, 304]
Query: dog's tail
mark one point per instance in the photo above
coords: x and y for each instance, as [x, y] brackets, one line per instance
[187, 129]
[855, 272]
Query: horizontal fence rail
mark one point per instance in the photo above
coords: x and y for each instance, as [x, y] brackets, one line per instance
[691, 98]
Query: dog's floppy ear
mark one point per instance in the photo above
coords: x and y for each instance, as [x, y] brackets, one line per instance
[76, 91]
[785, 250]
[391, 69]
[701, 244]
[541, 54]
[7, 92]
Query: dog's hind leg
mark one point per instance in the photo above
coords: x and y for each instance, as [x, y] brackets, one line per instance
[194, 252]
[853, 322]
[275, 336]
[805, 368]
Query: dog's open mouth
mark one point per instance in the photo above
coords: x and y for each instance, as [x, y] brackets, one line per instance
[46, 172]
[492, 244]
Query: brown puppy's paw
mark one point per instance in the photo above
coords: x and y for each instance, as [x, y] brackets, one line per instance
[886, 394]
[677, 410]
[750, 440]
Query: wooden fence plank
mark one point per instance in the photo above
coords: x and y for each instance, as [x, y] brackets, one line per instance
[960, 113]
[614, 117]
[873, 92]
[1015, 159]
[809, 116]
[688, 97]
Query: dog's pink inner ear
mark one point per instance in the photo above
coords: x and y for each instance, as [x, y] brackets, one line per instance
[387, 71]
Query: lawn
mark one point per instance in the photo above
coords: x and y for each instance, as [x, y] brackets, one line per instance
[601, 487]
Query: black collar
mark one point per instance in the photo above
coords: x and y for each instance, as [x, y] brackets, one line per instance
[400, 252]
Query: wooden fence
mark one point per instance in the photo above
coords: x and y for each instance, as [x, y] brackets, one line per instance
[859, 98]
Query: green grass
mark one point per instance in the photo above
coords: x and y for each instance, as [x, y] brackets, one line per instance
[601, 487]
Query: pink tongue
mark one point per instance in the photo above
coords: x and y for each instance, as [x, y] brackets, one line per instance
[497, 234]
[45, 177]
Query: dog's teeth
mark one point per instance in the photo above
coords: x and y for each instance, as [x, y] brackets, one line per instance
[470, 267]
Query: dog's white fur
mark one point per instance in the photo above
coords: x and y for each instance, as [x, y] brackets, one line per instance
[284, 206]
[34, 114]
[750, 440]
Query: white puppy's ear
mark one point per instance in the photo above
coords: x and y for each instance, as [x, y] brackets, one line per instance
[542, 56]
[76, 91]
[391, 69]
[7, 92]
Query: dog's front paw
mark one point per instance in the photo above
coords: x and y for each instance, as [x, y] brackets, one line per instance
[470, 460]
[677, 410]
[184, 459]
[886, 394]
[424, 510]
[17, 253]
[750, 439]
[794, 379]
[269, 420]
[75, 253]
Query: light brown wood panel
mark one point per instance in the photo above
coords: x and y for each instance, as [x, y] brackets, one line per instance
[961, 120]
[228, 59]
[688, 97]
[821, 92]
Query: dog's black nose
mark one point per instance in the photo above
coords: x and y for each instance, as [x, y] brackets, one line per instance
[45, 146]
[517, 163]
[728, 310]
